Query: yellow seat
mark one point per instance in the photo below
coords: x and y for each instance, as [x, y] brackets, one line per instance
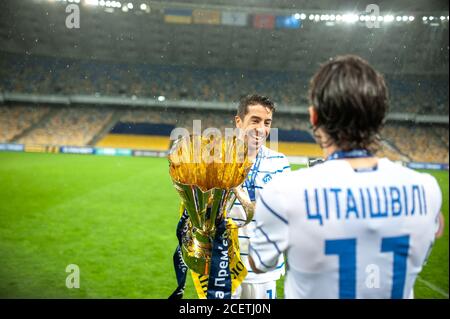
[300, 149]
[142, 142]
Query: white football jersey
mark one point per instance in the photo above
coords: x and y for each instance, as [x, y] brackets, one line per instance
[348, 233]
[267, 165]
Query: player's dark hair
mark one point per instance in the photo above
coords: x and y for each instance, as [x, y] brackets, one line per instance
[253, 99]
[351, 100]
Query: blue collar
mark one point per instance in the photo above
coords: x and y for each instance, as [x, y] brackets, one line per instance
[358, 153]
[251, 177]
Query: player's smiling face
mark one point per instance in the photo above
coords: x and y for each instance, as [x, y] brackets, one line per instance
[256, 124]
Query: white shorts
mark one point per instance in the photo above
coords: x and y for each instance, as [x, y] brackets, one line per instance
[265, 290]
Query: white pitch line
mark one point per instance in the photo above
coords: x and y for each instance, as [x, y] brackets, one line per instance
[433, 287]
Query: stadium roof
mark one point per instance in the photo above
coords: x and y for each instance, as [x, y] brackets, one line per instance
[411, 43]
[360, 5]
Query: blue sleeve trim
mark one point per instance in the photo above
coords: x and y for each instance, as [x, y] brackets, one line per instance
[241, 220]
[259, 258]
[269, 240]
[273, 212]
[274, 172]
[278, 267]
[259, 187]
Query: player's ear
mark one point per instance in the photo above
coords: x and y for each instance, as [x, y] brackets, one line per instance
[313, 117]
[238, 121]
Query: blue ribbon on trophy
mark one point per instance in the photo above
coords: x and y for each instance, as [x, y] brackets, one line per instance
[180, 267]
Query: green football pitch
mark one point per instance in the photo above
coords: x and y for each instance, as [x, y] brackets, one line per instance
[114, 217]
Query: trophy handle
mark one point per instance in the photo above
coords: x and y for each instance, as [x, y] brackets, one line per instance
[249, 207]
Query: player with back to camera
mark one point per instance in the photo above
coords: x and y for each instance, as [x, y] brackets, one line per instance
[254, 119]
[355, 226]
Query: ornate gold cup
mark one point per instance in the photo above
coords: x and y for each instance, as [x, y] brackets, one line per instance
[206, 174]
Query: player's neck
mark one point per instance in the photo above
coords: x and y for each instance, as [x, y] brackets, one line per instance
[328, 150]
[252, 153]
[356, 163]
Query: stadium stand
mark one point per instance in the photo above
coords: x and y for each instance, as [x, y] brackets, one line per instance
[69, 126]
[14, 120]
[33, 74]
[419, 143]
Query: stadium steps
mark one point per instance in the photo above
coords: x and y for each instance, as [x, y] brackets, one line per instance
[393, 148]
[108, 127]
[41, 123]
[440, 138]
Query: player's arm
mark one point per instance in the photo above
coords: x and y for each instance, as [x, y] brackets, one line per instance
[270, 239]
[247, 205]
[441, 227]
[436, 204]
[252, 265]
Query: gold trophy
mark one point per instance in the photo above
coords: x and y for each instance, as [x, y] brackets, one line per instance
[207, 173]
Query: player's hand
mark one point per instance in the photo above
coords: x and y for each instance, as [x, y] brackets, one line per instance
[247, 204]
